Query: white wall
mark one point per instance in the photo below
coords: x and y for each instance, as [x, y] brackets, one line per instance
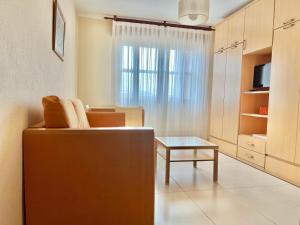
[95, 55]
[29, 69]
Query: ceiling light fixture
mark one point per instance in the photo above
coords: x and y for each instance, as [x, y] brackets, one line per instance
[193, 12]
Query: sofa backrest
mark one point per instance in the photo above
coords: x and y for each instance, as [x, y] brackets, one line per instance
[106, 119]
[134, 116]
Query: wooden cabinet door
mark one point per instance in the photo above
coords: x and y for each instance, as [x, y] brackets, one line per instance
[219, 74]
[284, 94]
[232, 94]
[221, 36]
[259, 26]
[236, 24]
[286, 11]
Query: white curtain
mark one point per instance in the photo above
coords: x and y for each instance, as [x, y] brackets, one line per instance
[167, 71]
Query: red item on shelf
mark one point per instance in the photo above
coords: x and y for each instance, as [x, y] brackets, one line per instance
[263, 110]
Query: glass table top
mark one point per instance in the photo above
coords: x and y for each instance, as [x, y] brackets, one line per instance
[185, 142]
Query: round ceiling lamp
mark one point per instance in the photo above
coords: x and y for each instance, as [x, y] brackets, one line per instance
[193, 12]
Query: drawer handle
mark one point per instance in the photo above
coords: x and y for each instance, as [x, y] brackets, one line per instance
[293, 20]
[250, 156]
[251, 144]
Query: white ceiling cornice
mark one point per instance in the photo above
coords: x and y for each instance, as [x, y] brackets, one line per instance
[159, 10]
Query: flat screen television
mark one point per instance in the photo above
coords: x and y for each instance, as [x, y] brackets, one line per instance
[261, 79]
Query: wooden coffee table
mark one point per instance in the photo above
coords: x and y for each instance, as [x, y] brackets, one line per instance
[186, 143]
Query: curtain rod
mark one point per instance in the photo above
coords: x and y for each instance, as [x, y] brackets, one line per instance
[164, 23]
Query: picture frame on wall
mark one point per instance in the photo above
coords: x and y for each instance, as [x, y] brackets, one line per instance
[59, 31]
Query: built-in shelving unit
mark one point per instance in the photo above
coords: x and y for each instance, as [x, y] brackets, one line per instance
[253, 125]
[251, 121]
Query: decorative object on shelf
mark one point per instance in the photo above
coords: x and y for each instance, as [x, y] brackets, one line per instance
[261, 78]
[193, 12]
[263, 110]
[59, 30]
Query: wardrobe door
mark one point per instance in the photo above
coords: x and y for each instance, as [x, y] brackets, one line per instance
[259, 26]
[232, 93]
[284, 94]
[286, 11]
[219, 74]
[297, 71]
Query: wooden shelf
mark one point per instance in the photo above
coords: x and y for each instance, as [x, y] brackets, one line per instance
[260, 136]
[256, 92]
[255, 115]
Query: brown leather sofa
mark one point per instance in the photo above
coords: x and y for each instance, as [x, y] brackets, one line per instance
[89, 176]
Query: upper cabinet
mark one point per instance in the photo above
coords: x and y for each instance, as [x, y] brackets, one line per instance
[286, 11]
[236, 25]
[259, 26]
[221, 36]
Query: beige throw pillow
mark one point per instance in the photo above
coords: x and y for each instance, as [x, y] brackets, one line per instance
[81, 114]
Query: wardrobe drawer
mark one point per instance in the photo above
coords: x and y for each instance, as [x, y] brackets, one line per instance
[250, 156]
[284, 170]
[225, 147]
[252, 143]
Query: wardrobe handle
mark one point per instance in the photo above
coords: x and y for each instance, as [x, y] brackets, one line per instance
[289, 21]
[221, 50]
[244, 44]
[234, 45]
[287, 26]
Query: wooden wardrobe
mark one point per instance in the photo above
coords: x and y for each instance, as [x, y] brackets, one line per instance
[264, 31]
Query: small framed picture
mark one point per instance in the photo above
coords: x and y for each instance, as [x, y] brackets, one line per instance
[59, 31]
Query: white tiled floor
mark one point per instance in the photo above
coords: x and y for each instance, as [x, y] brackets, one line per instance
[242, 196]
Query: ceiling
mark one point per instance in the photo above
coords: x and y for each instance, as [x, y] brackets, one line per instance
[153, 9]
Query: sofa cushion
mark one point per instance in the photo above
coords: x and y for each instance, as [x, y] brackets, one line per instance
[58, 113]
[70, 114]
[81, 114]
[54, 114]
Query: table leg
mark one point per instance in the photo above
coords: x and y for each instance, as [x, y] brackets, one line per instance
[167, 178]
[216, 159]
[195, 155]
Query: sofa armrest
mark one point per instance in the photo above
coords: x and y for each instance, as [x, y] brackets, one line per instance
[106, 119]
[92, 176]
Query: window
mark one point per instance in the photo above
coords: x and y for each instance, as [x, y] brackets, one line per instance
[153, 73]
